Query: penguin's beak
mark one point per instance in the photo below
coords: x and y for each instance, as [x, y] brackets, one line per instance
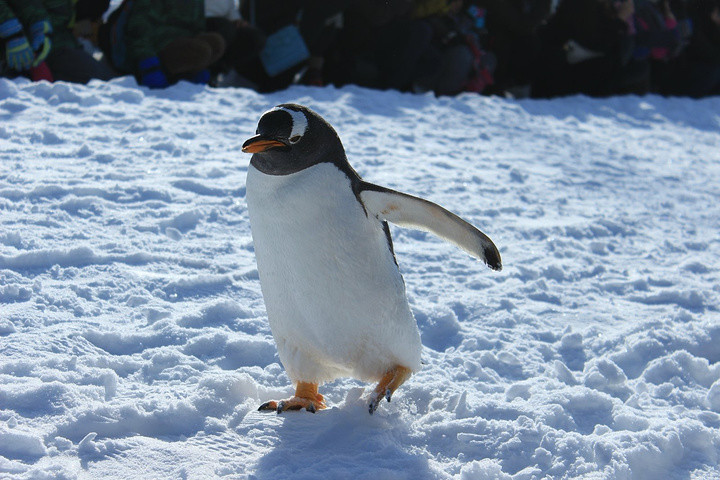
[258, 144]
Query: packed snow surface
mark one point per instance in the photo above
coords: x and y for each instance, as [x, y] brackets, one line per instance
[134, 341]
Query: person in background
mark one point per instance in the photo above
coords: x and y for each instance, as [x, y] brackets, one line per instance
[318, 24]
[243, 41]
[89, 18]
[68, 61]
[381, 45]
[700, 69]
[657, 42]
[163, 41]
[23, 36]
[457, 47]
[271, 16]
[586, 48]
[512, 27]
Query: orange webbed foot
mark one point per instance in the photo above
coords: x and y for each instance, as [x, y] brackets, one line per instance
[306, 396]
[387, 386]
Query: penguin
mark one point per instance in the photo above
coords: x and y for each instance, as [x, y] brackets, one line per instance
[334, 295]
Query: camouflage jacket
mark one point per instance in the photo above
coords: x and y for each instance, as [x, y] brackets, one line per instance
[152, 24]
[26, 11]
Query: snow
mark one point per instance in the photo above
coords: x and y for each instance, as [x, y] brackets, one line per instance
[133, 336]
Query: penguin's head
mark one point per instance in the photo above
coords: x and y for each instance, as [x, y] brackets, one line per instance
[290, 138]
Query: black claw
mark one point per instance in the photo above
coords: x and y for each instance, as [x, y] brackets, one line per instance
[373, 405]
[280, 407]
[388, 395]
[311, 408]
[265, 406]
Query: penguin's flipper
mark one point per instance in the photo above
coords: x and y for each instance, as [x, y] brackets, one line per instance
[409, 211]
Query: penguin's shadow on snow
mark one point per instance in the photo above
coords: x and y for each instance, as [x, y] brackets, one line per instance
[344, 442]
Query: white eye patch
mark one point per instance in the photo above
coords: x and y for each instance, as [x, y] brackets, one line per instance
[299, 122]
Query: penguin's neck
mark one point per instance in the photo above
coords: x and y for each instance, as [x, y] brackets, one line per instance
[309, 193]
[283, 163]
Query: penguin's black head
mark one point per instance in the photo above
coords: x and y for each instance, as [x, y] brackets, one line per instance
[290, 138]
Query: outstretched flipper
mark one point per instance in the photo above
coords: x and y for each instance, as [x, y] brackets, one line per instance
[409, 211]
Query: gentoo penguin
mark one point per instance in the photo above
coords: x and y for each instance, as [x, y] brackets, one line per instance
[334, 295]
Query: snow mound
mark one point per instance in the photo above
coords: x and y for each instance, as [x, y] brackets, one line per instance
[133, 336]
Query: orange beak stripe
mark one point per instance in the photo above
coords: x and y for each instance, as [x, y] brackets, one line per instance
[259, 145]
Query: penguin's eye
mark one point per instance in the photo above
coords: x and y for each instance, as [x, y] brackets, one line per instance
[295, 138]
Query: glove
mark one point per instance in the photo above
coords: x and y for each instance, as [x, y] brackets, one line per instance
[39, 40]
[10, 28]
[151, 74]
[18, 53]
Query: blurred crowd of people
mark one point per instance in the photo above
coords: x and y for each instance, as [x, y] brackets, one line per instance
[520, 48]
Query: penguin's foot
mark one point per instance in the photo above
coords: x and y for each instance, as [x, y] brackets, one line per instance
[387, 386]
[306, 396]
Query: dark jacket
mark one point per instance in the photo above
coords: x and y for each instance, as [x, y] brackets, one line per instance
[152, 24]
[26, 11]
[704, 44]
[594, 25]
[61, 14]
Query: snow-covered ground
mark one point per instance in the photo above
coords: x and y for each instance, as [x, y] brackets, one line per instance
[133, 337]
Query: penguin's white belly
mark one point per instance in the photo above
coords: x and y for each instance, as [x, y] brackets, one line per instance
[334, 296]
